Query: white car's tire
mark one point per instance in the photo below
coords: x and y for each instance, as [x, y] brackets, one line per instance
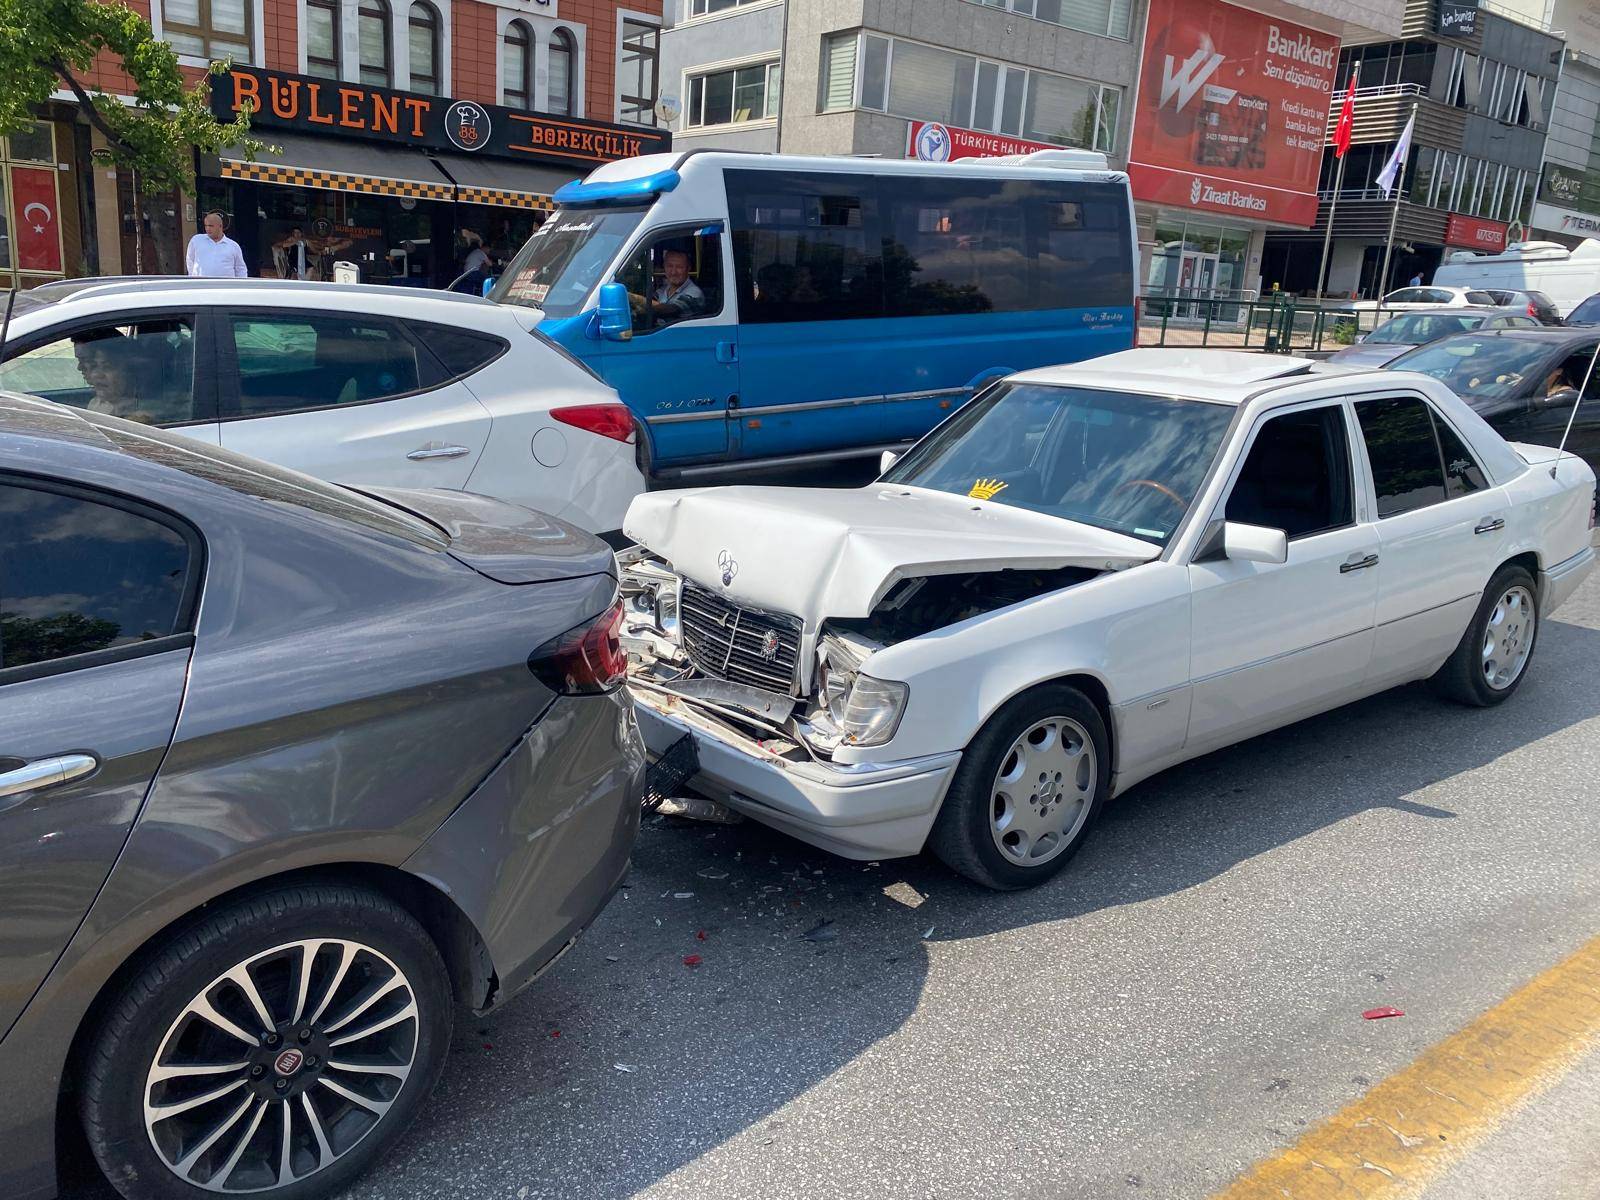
[1027, 792]
[1491, 661]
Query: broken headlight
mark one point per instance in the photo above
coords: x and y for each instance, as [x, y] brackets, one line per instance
[872, 710]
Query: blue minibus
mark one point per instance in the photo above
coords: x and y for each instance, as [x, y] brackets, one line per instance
[763, 308]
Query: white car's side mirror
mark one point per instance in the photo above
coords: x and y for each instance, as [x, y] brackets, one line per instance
[1254, 543]
[886, 460]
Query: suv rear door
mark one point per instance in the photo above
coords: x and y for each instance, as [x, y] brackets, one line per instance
[97, 595]
[348, 397]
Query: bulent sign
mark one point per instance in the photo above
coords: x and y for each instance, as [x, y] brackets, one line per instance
[326, 106]
[1232, 111]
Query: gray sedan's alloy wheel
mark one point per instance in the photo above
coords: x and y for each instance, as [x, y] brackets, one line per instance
[281, 1065]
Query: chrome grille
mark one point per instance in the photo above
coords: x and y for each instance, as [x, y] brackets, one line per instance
[727, 641]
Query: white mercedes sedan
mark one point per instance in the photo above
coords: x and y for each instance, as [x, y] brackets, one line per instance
[1086, 575]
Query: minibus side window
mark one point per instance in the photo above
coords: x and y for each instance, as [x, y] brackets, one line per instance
[804, 247]
[674, 278]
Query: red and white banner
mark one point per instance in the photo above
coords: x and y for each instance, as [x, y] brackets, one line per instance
[1475, 233]
[35, 221]
[1232, 112]
[932, 142]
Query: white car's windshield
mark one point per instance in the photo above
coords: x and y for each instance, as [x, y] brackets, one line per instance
[560, 264]
[1116, 460]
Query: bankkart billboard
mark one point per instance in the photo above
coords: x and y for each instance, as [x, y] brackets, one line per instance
[1232, 111]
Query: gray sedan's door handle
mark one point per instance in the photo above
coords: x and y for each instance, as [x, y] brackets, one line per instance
[46, 772]
[1492, 525]
[436, 451]
[1358, 564]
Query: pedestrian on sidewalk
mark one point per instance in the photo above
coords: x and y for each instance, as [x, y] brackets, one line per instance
[214, 255]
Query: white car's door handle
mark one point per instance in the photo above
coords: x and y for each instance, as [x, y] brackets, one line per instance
[1358, 563]
[436, 451]
[1492, 525]
[46, 772]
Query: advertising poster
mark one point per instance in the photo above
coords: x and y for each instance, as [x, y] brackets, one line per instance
[1232, 112]
[35, 219]
[932, 142]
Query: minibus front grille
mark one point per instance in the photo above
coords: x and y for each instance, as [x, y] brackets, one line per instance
[741, 645]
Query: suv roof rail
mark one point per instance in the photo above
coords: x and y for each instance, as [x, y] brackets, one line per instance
[129, 284]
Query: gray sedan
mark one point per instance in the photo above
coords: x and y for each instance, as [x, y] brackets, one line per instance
[1400, 333]
[287, 772]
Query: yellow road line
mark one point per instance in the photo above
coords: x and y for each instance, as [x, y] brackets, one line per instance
[1392, 1142]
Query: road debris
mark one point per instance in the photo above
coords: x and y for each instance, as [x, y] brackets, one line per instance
[625, 1068]
[928, 932]
[903, 893]
[822, 931]
[711, 873]
[692, 960]
[1378, 1014]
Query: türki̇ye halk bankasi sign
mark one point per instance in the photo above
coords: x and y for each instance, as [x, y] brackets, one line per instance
[327, 106]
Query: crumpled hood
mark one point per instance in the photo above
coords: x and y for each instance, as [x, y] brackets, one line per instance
[822, 552]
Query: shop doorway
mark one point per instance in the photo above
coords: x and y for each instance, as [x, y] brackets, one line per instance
[1197, 280]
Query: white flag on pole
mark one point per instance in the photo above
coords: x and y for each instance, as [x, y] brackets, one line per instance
[1401, 149]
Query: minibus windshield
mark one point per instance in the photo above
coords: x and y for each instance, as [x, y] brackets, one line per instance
[560, 264]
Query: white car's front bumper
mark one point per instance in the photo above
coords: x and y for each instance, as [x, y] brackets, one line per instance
[864, 811]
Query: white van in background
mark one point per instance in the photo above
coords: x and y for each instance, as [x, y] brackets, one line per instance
[1568, 277]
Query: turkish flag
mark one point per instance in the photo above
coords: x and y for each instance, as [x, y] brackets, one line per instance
[35, 219]
[1347, 117]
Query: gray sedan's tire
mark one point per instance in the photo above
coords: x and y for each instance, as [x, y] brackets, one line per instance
[1029, 787]
[275, 1048]
[1491, 661]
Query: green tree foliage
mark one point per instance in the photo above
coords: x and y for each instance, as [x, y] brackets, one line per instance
[50, 45]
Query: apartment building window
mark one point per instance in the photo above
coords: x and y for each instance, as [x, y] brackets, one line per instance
[1106, 17]
[209, 29]
[563, 53]
[925, 83]
[734, 96]
[322, 38]
[423, 30]
[372, 31]
[638, 80]
[704, 8]
[516, 66]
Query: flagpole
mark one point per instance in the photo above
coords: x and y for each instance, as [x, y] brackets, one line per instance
[1338, 183]
[1394, 217]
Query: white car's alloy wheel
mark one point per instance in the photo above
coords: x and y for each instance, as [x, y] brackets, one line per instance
[1042, 792]
[1508, 637]
[279, 1066]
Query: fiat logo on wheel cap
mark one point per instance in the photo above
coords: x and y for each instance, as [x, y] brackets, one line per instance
[288, 1062]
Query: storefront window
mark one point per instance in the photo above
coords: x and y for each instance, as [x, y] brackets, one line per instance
[36, 143]
[1197, 261]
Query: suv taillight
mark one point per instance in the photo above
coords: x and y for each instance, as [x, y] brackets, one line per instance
[614, 421]
[584, 661]
[1532, 311]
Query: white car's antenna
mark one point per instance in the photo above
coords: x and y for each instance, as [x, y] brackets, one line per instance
[5, 325]
[1573, 415]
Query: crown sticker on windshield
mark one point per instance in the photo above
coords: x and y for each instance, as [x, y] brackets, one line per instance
[987, 489]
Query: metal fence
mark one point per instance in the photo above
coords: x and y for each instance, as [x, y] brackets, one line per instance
[1275, 324]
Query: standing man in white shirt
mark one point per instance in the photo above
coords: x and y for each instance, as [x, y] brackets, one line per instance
[214, 255]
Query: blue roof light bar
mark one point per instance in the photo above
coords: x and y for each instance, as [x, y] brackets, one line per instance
[620, 191]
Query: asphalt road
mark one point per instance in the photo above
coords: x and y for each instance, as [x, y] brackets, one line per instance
[1183, 1001]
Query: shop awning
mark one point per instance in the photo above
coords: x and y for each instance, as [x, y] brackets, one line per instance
[496, 181]
[343, 166]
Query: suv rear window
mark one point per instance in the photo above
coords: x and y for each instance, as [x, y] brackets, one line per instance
[460, 351]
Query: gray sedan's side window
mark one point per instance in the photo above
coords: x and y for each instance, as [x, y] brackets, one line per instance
[78, 576]
[140, 370]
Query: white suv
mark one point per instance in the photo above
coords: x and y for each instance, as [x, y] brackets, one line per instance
[356, 384]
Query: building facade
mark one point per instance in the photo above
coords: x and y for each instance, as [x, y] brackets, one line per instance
[1483, 85]
[1567, 209]
[406, 132]
[1217, 159]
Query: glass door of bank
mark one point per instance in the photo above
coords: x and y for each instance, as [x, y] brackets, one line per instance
[1197, 277]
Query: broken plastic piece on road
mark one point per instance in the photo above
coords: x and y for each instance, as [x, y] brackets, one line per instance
[683, 895]
[700, 935]
[928, 932]
[1378, 1014]
[698, 808]
[612, 958]
[711, 873]
[822, 931]
[555, 1033]
[691, 960]
[624, 1067]
[903, 893]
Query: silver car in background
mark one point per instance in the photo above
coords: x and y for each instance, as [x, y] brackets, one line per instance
[287, 774]
[1407, 330]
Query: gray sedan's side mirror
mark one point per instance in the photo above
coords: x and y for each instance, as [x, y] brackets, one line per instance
[1559, 398]
[886, 460]
[1254, 543]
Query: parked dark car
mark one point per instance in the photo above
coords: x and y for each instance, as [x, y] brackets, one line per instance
[1401, 332]
[287, 773]
[1535, 304]
[1524, 382]
[1587, 313]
